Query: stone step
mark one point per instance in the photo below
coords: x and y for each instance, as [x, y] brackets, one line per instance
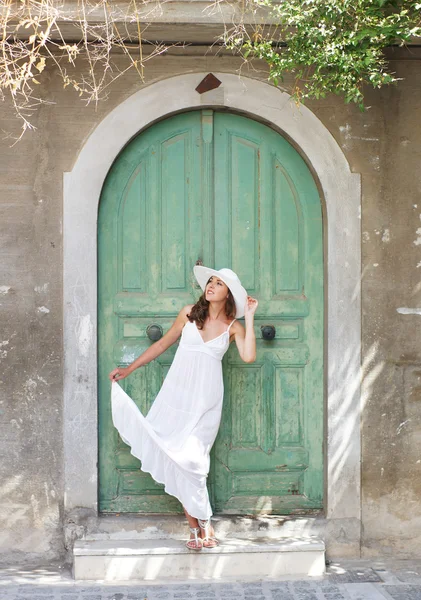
[155, 560]
[138, 526]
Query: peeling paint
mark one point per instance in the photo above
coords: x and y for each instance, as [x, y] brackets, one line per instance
[419, 265]
[3, 353]
[85, 331]
[366, 236]
[417, 242]
[386, 236]
[43, 309]
[35, 509]
[47, 497]
[41, 288]
[4, 289]
[375, 161]
[408, 311]
[375, 264]
[346, 132]
[30, 385]
[399, 429]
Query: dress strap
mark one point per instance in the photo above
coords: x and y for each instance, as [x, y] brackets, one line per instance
[229, 326]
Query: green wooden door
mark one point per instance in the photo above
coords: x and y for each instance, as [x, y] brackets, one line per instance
[268, 454]
[231, 192]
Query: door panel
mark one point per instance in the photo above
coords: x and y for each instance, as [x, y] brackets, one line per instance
[151, 231]
[231, 192]
[268, 208]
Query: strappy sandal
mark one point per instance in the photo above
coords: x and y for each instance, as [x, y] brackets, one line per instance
[198, 545]
[208, 541]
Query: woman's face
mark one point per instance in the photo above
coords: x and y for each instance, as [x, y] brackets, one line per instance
[216, 290]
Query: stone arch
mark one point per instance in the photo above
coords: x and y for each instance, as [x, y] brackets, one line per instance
[340, 189]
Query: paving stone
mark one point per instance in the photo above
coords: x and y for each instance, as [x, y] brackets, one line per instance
[281, 587]
[36, 596]
[354, 584]
[404, 592]
[36, 590]
[327, 586]
[409, 576]
[355, 576]
[225, 586]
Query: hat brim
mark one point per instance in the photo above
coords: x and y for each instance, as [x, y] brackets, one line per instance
[203, 275]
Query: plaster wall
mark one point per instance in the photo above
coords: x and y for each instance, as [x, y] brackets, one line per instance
[383, 144]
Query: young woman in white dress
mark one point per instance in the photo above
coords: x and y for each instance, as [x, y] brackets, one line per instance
[174, 440]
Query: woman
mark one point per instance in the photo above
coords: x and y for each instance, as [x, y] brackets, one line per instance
[174, 440]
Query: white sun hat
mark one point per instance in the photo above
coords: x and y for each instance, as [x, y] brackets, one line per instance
[230, 279]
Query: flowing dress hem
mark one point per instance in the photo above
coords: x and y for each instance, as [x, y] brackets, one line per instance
[163, 470]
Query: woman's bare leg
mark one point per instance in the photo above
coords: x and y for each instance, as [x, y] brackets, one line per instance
[193, 523]
[207, 532]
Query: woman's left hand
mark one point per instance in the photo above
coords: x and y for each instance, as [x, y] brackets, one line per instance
[250, 307]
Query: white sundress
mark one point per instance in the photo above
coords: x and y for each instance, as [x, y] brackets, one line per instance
[175, 438]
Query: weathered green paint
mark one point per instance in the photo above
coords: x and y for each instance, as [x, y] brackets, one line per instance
[268, 454]
[231, 192]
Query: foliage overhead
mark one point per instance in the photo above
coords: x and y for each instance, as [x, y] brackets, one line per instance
[39, 33]
[327, 45]
[331, 46]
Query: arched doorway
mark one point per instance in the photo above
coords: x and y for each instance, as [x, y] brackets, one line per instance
[229, 191]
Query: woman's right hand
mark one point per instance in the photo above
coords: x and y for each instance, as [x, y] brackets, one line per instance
[119, 373]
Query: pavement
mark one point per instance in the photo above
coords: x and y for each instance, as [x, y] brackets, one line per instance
[344, 580]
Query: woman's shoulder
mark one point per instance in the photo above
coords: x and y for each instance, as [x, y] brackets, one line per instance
[236, 326]
[185, 311]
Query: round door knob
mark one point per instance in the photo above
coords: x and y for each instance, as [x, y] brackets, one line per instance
[268, 332]
[154, 332]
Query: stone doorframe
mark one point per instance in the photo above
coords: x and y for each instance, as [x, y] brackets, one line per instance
[340, 190]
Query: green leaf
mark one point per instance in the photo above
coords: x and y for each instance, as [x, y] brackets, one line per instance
[335, 46]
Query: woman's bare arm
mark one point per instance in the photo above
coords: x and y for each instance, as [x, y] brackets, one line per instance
[244, 337]
[155, 349]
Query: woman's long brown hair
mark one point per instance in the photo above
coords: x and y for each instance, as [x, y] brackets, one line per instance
[200, 310]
